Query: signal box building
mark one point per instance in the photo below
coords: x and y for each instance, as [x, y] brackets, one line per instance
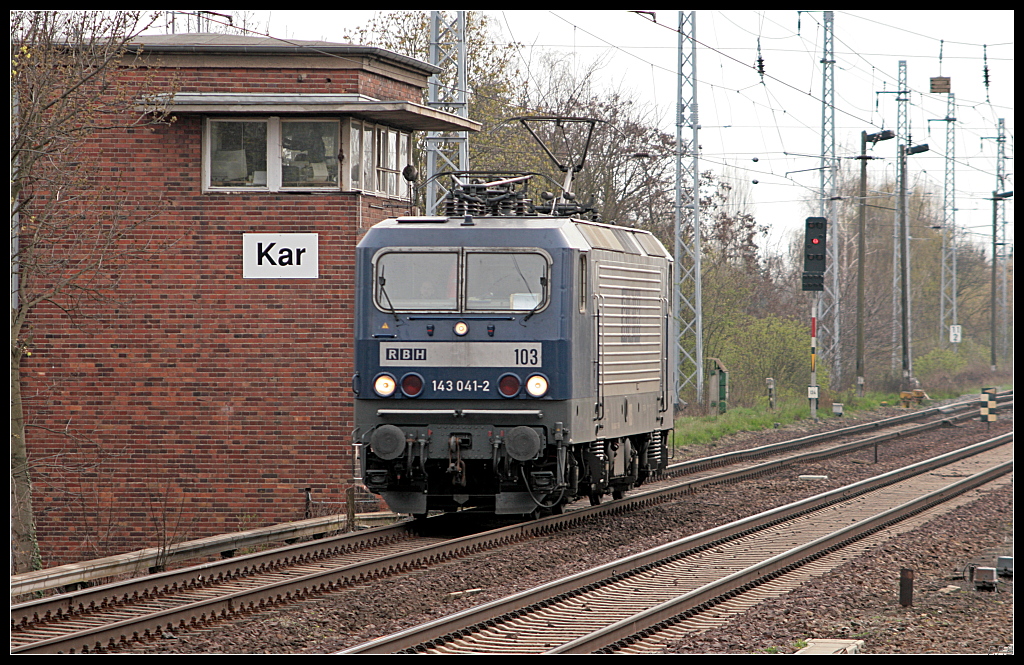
[215, 395]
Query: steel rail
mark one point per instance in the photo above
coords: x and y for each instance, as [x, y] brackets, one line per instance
[650, 497]
[727, 458]
[332, 579]
[83, 600]
[452, 626]
[133, 562]
[623, 632]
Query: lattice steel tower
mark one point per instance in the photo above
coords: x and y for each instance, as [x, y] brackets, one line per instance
[903, 139]
[830, 310]
[688, 324]
[1001, 245]
[446, 91]
[947, 300]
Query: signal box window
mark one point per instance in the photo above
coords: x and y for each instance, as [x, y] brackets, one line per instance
[377, 155]
[309, 152]
[272, 154]
[238, 153]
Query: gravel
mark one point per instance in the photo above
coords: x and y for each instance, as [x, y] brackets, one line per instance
[860, 600]
[856, 601]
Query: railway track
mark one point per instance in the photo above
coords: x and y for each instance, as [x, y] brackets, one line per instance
[103, 617]
[632, 602]
[108, 617]
[882, 430]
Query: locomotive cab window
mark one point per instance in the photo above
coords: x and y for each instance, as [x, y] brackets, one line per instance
[461, 281]
[417, 281]
[509, 281]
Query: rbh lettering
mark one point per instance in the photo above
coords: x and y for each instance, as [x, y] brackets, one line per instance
[405, 354]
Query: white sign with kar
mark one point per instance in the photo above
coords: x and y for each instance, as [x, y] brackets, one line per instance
[280, 255]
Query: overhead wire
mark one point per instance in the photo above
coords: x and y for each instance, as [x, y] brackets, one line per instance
[873, 70]
[772, 104]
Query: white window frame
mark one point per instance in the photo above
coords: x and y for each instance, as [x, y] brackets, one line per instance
[359, 143]
[274, 155]
[375, 156]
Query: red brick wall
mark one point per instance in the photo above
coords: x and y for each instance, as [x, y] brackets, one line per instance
[203, 402]
[261, 80]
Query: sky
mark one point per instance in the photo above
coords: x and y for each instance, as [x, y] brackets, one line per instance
[776, 119]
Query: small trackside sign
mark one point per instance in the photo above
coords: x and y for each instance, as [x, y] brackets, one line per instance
[280, 255]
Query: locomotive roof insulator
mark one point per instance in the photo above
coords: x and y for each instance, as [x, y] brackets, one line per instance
[483, 194]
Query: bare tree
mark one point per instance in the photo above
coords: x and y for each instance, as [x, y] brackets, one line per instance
[628, 172]
[496, 86]
[628, 175]
[72, 231]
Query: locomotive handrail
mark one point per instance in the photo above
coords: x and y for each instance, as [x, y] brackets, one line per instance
[598, 356]
[460, 412]
[468, 316]
[665, 374]
[416, 412]
[496, 412]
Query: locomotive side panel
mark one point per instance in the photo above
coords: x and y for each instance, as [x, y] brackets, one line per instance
[631, 277]
[631, 320]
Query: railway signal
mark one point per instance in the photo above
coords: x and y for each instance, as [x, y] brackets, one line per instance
[814, 254]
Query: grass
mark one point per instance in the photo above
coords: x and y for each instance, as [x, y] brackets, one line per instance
[703, 430]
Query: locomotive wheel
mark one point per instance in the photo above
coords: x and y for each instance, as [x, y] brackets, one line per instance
[595, 499]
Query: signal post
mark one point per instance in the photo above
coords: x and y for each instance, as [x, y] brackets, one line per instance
[813, 279]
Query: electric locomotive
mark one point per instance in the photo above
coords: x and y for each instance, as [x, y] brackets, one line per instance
[509, 356]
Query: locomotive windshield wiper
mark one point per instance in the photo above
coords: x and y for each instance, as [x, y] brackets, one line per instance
[381, 281]
[543, 290]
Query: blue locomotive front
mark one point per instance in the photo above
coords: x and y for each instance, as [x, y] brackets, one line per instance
[509, 363]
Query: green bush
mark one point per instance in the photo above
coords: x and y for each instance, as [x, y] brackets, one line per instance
[772, 347]
[939, 365]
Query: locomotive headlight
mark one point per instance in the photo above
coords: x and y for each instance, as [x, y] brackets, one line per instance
[537, 386]
[461, 328]
[385, 385]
